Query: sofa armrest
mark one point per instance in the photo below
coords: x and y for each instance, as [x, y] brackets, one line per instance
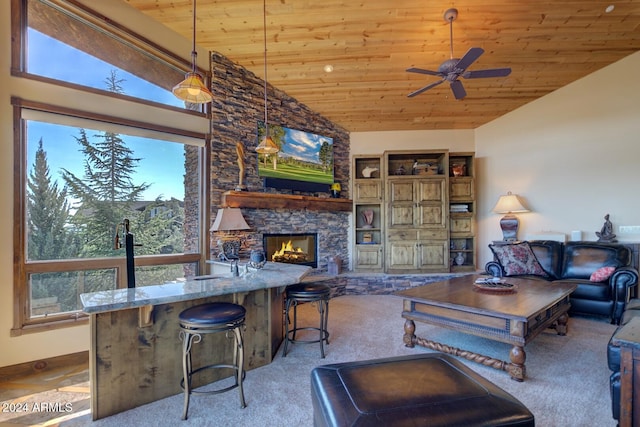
[622, 281]
[494, 269]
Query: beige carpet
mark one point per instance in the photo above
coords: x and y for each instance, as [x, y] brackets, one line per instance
[566, 385]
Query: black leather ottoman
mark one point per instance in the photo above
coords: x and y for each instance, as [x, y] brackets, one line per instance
[426, 390]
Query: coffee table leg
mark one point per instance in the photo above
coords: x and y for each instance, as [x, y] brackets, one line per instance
[516, 368]
[561, 324]
[409, 333]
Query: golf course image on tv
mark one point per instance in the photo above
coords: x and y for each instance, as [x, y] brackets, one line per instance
[303, 156]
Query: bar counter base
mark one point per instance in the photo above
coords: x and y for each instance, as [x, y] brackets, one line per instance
[131, 365]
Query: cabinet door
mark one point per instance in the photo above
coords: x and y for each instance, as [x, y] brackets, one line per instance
[367, 191]
[401, 204]
[462, 225]
[461, 188]
[368, 256]
[401, 255]
[431, 204]
[433, 255]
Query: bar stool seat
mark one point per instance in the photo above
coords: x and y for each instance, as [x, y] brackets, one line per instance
[211, 318]
[300, 293]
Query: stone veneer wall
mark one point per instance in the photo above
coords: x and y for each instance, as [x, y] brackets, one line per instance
[237, 107]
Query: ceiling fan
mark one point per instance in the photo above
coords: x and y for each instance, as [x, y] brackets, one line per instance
[452, 69]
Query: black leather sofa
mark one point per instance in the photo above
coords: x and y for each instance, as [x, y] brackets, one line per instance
[613, 358]
[575, 262]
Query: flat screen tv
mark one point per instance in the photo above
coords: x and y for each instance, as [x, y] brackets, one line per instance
[304, 162]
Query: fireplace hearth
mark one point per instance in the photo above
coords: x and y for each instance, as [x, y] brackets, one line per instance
[292, 248]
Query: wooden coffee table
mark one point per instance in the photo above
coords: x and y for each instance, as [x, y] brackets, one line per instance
[514, 317]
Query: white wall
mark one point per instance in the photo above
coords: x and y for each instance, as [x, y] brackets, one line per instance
[573, 155]
[378, 142]
[34, 346]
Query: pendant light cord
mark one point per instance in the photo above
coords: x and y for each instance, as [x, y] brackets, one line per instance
[194, 53]
[264, 29]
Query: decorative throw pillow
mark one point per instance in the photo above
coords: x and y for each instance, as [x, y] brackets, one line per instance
[602, 274]
[518, 260]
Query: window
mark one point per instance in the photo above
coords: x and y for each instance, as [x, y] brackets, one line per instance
[69, 44]
[80, 174]
[81, 179]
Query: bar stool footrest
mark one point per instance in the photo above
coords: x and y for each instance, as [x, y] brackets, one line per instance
[292, 332]
[218, 391]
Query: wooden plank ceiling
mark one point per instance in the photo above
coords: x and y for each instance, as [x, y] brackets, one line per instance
[548, 44]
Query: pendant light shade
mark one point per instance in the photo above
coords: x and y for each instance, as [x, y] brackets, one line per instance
[192, 89]
[266, 145]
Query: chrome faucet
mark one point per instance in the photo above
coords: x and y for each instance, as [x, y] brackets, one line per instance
[128, 247]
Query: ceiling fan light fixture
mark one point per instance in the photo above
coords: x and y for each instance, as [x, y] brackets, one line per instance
[453, 69]
[192, 89]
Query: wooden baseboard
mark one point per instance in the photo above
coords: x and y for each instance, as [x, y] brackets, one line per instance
[43, 365]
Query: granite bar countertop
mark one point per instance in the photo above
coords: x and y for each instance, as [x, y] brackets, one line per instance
[272, 275]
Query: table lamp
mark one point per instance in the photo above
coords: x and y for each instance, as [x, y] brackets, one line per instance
[229, 219]
[509, 204]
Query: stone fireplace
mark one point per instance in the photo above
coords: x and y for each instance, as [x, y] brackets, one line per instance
[298, 248]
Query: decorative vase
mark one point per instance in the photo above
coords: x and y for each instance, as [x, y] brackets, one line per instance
[367, 217]
[257, 259]
[459, 258]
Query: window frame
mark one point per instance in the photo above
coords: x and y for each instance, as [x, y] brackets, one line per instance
[23, 322]
[19, 27]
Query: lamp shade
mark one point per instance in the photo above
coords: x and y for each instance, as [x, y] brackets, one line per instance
[192, 89]
[509, 203]
[267, 146]
[229, 219]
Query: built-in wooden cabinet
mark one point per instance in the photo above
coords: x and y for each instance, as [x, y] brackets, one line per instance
[417, 212]
[423, 205]
[368, 213]
[462, 212]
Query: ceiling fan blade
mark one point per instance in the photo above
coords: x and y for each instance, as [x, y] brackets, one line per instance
[458, 89]
[422, 71]
[424, 89]
[494, 72]
[469, 57]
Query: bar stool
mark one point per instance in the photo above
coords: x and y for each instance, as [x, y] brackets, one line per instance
[302, 293]
[211, 318]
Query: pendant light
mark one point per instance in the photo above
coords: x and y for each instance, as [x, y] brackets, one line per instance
[192, 89]
[266, 146]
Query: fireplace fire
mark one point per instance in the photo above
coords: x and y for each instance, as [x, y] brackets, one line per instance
[289, 254]
[292, 248]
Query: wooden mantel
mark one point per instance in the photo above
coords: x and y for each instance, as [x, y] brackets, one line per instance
[247, 199]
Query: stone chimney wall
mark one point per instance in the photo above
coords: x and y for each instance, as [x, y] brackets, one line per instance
[238, 106]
